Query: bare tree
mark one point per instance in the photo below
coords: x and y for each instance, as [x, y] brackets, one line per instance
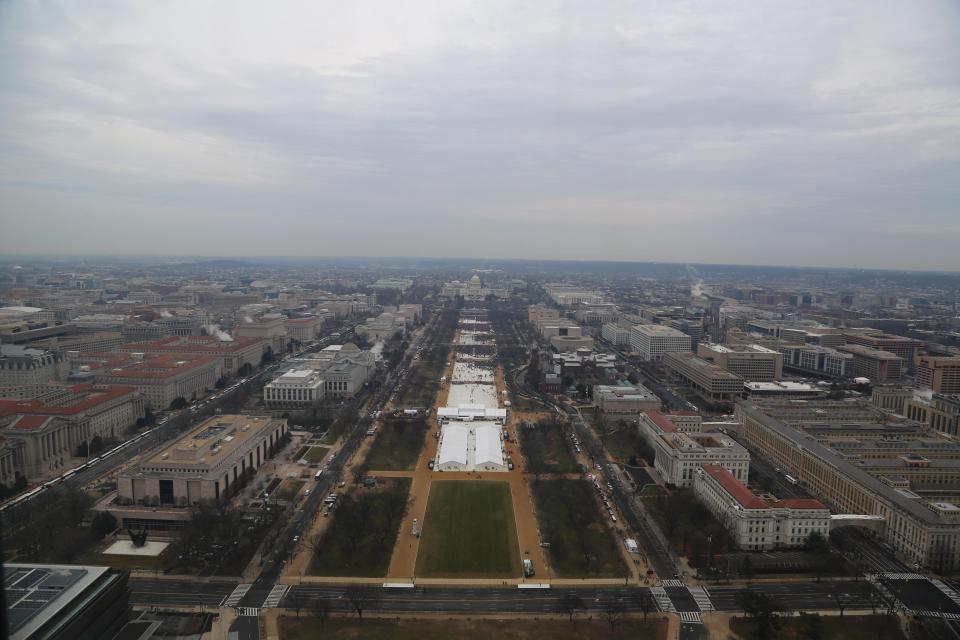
[360, 598]
[841, 599]
[613, 611]
[876, 599]
[646, 603]
[569, 604]
[295, 600]
[320, 608]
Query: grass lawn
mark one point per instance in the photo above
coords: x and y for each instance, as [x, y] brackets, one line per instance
[545, 449]
[624, 443]
[469, 530]
[432, 629]
[689, 526]
[315, 454]
[834, 628]
[289, 489]
[397, 446]
[581, 545]
[300, 453]
[360, 540]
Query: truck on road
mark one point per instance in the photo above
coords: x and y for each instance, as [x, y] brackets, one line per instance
[528, 571]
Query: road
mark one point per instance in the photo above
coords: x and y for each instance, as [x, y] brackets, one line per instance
[659, 555]
[793, 596]
[311, 505]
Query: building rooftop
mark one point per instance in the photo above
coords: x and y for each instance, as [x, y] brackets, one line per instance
[86, 396]
[36, 593]
[842, 466]
[713, 370]
[143, 366]
[659, 330]
[195, 344]
[747, 499]
[869, 352]
[210, 442]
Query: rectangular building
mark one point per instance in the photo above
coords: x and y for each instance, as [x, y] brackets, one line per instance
[618, 401]
[709, 380]
[45, 432]
[756, 524]
[161, 378]
[230, 355]
[615, 334]
[905, 348]
[824, 361]
[295, 389]
[879, 366]
[939, 373]
[679, 454]
[752, 362]
[204, 463]
[925, 531]
[64, 602]
[27, 368]
[652, 341]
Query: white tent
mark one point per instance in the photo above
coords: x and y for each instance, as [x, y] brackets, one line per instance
[489, 452]
[453, 448]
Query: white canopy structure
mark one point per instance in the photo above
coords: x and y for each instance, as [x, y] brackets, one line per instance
[488, 450]
[469, 446]
[454, 443]
[471, 412]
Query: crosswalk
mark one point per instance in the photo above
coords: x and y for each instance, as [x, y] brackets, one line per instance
[236, 595]
[250, 612]
[947, 590]
[927, 613]
[690, 617]
[662, 599]
[275, 596]
[702, 598]
[904, 576]
[673, 583]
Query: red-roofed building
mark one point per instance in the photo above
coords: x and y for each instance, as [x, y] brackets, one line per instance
[754, 523]
[44, 432]
[230, 355]
[681, 452]
[160, 377]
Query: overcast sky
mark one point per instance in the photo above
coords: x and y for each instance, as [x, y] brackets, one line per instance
[809, 133]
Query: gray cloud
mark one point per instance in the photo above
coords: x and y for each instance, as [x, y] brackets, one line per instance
[801, 133]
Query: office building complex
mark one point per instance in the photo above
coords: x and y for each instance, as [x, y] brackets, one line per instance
[27, 369]
[620, 401]
[859, 468]
[615, 334]
[45, 432]
[230, 355]
[905, 348]
[879, 366]
[824, 361]
[679, 454]
[709, 380]
[756, 524]
[753, 362]
[652, 341]
[941, 374]
[161, 378]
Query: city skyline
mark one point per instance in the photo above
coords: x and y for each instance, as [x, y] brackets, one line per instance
[804, 135]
